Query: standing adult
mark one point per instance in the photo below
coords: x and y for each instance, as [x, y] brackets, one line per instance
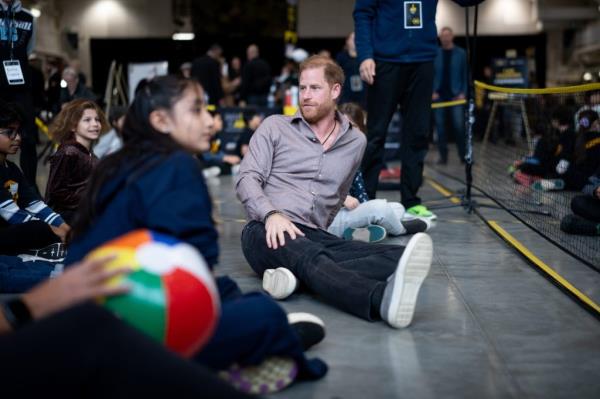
[17, 39]
[450, 84]
[256, 78]
[354, 90]
[396, 42]
[207, 70]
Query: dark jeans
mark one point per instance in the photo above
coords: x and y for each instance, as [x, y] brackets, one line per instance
[17, 238]
[253, 327]
[17, 276]
[410, 86]
[347, 274]
[86, 351]
[587, 207]
[453, 118]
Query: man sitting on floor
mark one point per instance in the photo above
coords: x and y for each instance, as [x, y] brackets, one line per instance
[292, 183]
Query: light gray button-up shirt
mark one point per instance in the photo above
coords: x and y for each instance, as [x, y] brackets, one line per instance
[287, 170]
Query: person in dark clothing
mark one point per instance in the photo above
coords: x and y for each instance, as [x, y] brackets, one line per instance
[78, 124]
[75, 89]
[207, 70]
[256, 79]
[354, 90]
[450, 84]
[26, 222]
[396, 44]
[76, 348]
[585, 219]
[17, 40]
[155, 182]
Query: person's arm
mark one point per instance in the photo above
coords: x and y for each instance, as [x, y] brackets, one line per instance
[84, 281]
[463, 75]
[358, 189]
[364, 14]
[254, 172]
[60, 189]
[31, 43]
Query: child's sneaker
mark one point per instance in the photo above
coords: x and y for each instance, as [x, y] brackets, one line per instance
[400, 294]
[52, 253]
[272, 375]
[371, 233]
[548, 185]
[310, 328]
[420, 211]
[279, 283]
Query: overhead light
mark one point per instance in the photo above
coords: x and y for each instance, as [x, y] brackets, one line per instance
[35, 12]
[587, 77]
[183, 36]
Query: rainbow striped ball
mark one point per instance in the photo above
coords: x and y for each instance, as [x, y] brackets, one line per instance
[172, 296]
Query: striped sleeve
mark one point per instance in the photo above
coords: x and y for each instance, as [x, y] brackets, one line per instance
[11, 212]
[43, 212]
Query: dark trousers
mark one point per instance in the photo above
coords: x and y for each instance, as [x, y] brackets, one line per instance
[454, 119]
[17, 238]
[29, 132]
[410, 86]
[251, 328]
[347, 274]
[587, 207]
[87, 352]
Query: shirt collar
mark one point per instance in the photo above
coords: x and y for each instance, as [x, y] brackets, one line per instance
[341, 118]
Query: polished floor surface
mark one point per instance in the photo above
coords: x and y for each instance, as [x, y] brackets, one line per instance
[487, 324]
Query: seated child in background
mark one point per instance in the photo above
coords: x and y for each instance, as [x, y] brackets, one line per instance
[27, 224]
[573, 175]
[586, 210]
[76, 127]
[252, 120]
[216, 160]
[553, 146]
[370, 220]
[111, 141]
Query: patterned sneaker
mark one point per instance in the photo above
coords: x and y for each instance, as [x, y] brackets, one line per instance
[400, 294]
[548, 185]
[420, 211]
[272, 375]
[279, 283]
[309, 328]
[52, 253]
[371, 233]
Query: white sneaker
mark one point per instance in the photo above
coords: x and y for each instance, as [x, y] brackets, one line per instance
[279, 283]
[212, 171]
[400, 294]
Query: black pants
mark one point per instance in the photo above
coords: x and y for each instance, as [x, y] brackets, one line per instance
[347, 274]
[587, 207]
[17, 238]
[29, 132]
[409, 85]
[86, 352]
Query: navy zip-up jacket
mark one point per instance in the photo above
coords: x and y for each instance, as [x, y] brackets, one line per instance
[397, 31]
[165, 194]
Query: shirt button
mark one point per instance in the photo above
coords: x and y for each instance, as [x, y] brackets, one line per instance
[313, 193]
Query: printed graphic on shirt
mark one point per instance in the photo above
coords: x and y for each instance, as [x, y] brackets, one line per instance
[413, 15]
[13, 188]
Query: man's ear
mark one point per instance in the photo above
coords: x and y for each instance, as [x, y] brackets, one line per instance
[160, 121]
[336, 91]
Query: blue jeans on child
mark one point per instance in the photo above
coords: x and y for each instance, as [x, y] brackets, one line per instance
[18, 276]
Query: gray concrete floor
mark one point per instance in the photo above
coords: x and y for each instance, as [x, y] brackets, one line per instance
[487, 325]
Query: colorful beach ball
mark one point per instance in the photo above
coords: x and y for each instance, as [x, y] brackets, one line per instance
[172, 296]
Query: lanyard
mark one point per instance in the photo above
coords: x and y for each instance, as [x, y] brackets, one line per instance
[11, 28]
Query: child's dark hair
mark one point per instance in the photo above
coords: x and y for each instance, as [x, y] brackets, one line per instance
[355, 113]
[563, 115]
[585, 120]
[140, 141]
[115, 114]
[10, 113]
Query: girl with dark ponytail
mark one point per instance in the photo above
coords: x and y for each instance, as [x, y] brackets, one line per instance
[156, 182]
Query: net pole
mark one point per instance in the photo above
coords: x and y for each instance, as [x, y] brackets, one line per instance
[470, 112]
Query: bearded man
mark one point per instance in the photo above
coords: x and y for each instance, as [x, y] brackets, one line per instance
[292, 182]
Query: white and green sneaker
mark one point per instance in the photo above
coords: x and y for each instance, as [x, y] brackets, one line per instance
[420, 211]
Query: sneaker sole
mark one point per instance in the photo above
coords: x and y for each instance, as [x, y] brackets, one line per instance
[272, 375]
[279, 283]
[299, 317]
[411, 272]
[371, 234]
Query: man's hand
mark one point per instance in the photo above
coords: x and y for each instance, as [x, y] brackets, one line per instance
[461, 96]
[276, 225]
[597, 193]
[61, 231]
[350, 202]
[86, 280]
[367, 70]
[231, 159]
